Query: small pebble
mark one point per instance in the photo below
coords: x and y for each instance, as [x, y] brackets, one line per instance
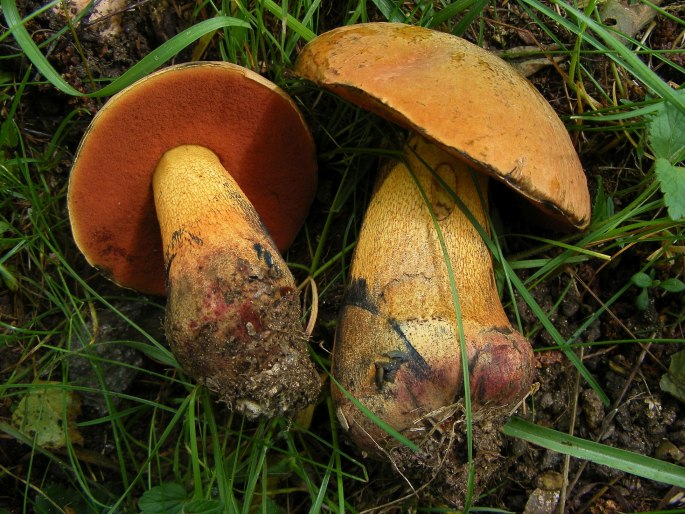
[668, 451]
[542, 502]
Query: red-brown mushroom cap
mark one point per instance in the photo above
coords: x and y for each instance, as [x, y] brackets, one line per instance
[461, 97]
[251, 124]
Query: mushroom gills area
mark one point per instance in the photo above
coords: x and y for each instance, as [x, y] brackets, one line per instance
[233, 317]
[397, 346]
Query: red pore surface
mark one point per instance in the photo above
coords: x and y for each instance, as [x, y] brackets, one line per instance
[252, 126]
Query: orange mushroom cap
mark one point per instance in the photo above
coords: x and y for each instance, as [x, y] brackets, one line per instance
[255, 129]
[462, 98]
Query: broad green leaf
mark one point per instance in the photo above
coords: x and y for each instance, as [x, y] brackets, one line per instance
[167, 498]
[9, 133]
[641, 280]
[48, 415]
[642, 300]
[666, 133]
[672, 285]
[616, 458]
[58, 493]
[673, 382]
[8, 278]
[672, 183]
[203, 507]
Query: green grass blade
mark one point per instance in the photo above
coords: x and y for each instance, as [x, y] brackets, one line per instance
[552, 330]
[191, 424]
[291, 21]
[378, 421]
[575, 249]
[456, 305]
[474, 11]
[340, 484]
[449, 11]
[606, 115]
[257, 462]
[321, 494]
[646, 467]
[146, 65]
[391, 10]
[168, 50]
[526, 295]
[614, 49]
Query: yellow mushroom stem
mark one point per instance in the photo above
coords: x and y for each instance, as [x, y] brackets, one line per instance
[233, 311]
[397, 345]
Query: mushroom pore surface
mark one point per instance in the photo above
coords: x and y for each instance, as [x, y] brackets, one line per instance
[250, 124]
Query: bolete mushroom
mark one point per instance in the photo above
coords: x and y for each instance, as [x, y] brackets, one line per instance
[471, 116]
[188, 183]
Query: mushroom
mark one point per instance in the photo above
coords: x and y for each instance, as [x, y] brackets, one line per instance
[188, 183]
[471, 116]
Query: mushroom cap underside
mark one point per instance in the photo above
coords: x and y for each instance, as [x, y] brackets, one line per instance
[255, 129]
[461, 97]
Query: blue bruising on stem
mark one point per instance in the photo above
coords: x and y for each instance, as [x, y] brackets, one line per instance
[357, 295]
[414, 359]
[263, 253]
